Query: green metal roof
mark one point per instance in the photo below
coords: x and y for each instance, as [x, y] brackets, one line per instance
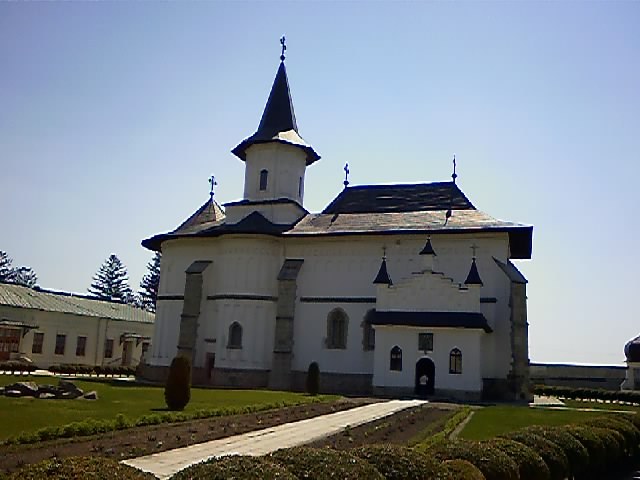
[24, 297]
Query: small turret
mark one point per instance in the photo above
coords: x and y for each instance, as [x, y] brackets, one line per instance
[383, 276]
[474, 277]
[428, 254]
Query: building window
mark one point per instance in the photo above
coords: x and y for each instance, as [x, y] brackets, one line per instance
[368, 333]
[425, 342]
[108, 348]
[395, 359]
[235, 336]
[38, 341]
[455, 361]
[300, 187]
[264, 176]
[81, 346]
[60, 343]
[337, 324]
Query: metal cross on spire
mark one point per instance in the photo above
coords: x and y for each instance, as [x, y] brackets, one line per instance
[455, 175]
[284, 48]
[213, 183]
[346, 175]
[474, 247]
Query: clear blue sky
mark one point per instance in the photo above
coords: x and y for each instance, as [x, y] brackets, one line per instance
[114, 114]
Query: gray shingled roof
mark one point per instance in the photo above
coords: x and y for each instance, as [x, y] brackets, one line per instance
[207, 215]
[23, 297]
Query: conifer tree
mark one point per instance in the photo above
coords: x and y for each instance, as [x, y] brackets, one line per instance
[148, 292]
[24, 276]
[6, 267]
[111, 282]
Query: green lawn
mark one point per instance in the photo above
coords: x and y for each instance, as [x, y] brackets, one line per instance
[29, 414]
[488, 422]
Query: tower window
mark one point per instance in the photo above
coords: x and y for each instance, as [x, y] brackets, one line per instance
[300, 187]
[264, 176]
[455, 361]
[395, 359]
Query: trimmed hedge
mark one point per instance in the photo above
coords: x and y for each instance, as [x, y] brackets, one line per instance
[76, 369]
[576, 453]
[235, 467]
[324, 463]
[79, 468]
[627, 429]
[594, 445]
[625, 396]
[613, 444]
[494, 464]
[551, 453]
[531, 466]
[17, 367]
[462, 470]
[399, 463]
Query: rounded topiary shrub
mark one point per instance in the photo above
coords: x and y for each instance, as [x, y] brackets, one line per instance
[493, 464]
[324, 463]
[462, 470]
[594, 445]
[313, 379]
[629, 431]
[177, 391]
[614, 446]
[531, 466]
[235, 467]
[399, 463]
[79, 468]
[551, 453]
[576, 453]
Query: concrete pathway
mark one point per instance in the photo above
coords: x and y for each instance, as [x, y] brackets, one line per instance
[260, 442]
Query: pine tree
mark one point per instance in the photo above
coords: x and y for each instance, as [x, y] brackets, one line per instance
[6, 267]
[111, 282]
[24, 276]
[148, 292]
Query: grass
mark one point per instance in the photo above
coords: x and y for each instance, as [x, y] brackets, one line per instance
[18, 415]
[488, 422]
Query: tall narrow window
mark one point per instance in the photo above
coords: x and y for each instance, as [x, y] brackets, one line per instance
[235, 336]
[395, 359]
[108, 348]
[425, 342]
[337, 324]
[38, 341]
[81, 346]
[455, 361]
[60, 343]
[300, 187]
[368, 333]
[264, 177]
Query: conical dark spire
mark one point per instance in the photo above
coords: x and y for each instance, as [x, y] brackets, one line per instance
[278, 115]
[278, 122]
[383, 276]
[428, 249]
[474, 277]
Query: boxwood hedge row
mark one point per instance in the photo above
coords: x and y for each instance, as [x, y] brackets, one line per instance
[624, 396]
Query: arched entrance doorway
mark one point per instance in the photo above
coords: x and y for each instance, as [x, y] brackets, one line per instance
[425, 377]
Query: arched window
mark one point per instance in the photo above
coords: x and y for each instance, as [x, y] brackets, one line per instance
[337, 324]
[455, 361]
[395, 359]
[264, 176]
[235, 336]
[368, 333]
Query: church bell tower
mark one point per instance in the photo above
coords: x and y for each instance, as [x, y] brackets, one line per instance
[276, 156]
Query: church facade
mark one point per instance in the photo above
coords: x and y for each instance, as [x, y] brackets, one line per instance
[391, 289]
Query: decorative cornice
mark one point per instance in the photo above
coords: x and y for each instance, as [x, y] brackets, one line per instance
[259, 298]
[338, 299]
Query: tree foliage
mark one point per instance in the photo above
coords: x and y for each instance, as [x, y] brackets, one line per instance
[148, 292]
[24, 276]
[112, 282]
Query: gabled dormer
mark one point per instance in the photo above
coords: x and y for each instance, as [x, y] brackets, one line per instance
[275, 156]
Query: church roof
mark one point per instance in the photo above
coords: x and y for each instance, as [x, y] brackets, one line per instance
[278, 122]
[49, 301]
[400, 198]
[432, 319]
[207, 214]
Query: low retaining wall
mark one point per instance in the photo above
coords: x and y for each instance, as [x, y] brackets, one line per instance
[609, 377]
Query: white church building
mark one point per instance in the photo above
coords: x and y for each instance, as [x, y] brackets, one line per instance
[391, 289]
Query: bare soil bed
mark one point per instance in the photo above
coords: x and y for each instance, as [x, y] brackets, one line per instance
[138, 441]
[408, 426]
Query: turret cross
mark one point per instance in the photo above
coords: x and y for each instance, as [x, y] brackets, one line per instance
[284, 48]
[346, 175]
[474, 247]
[213, 183]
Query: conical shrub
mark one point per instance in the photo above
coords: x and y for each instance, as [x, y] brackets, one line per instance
[177, 391]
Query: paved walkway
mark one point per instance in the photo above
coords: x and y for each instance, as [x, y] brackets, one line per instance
[260, 442]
